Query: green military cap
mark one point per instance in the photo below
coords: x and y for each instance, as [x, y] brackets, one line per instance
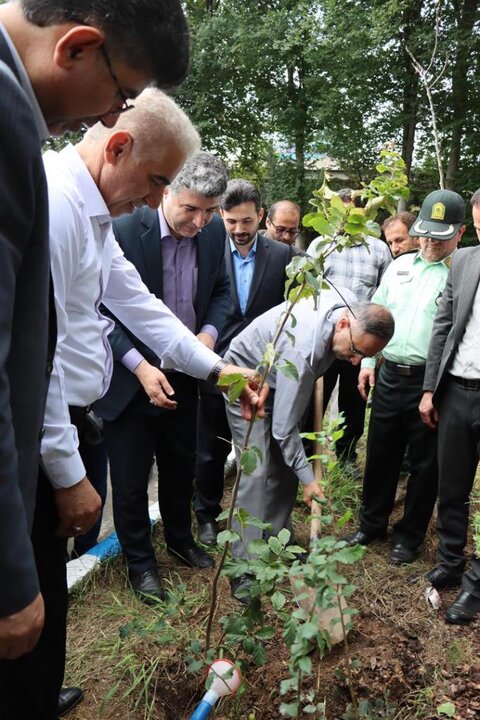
[441, 216]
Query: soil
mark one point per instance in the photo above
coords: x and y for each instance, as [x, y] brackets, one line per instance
[404, 650]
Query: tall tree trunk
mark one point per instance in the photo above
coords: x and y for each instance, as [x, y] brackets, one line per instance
[410, 20]
[460, 86]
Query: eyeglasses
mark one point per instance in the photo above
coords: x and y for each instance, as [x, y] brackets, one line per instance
[126, 105]
[292, 232]
[353, 349]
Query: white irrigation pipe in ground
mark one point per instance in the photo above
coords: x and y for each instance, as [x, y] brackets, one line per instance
[78, 569]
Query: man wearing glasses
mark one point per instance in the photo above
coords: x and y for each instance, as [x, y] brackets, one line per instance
[283, 222]
[338, 329]
[53, 77]
[359, 268]
[410, 288]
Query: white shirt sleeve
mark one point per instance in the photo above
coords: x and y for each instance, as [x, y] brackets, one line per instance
[152, 321]
[59, 447]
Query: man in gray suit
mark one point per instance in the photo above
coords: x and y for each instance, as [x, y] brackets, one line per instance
[256, 270]
[451, 400]
[55, 73]
[338, 328]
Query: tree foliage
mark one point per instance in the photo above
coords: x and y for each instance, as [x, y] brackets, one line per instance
[273, 83]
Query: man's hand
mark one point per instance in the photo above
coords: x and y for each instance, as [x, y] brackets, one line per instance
[366, 381]
[155, 385]
[19, 633]
[78, 507]
[428, 411]
[206, 339]
[314, 490]
[252, 399]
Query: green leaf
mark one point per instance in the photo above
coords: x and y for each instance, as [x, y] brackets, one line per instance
[447, 708]
[305, 664]
[284, 536]
[288, 369]
[290, 709]
[227, 536]
[266, 633]
[291, 337]
[275, 545]
[278, 600]
[249, 460]
[258, 655]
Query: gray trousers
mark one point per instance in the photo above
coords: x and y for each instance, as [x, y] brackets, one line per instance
[269, 493]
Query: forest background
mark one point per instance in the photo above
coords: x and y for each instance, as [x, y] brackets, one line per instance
[278, 87]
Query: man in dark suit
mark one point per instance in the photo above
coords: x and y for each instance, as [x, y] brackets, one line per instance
[179, 253]
[54, 72]
[452, 400]
[256, 268]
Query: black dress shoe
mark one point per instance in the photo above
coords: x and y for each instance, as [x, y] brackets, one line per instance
[401, 555]
[464, 609]
[207, 533]
[68, 698]
[361, 538]
[240, 587]
[191, 555]
[442, 579]
[147, 586]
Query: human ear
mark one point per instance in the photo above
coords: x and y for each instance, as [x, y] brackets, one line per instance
[76, 43]
[118, 145]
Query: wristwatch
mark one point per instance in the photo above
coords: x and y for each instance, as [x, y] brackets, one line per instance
[216, 370]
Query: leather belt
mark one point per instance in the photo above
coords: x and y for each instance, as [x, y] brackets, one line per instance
[467, 383]
[406, 370]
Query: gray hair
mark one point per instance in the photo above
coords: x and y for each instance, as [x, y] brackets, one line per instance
[155, 120]
[203, 174]
[374, 319]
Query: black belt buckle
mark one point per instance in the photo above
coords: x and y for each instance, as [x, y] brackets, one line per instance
[467, 383]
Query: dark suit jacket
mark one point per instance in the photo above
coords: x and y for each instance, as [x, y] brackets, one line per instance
[139, 237]
[24, 282]
[266, 291]
[452, 315]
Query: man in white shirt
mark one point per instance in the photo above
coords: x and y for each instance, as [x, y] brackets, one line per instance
[451, 400]
[110, 172]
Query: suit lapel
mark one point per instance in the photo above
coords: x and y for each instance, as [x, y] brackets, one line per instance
[152, 252]
[261, 261]
[231, 274]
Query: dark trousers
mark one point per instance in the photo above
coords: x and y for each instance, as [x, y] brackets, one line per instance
[458, 453]
[350, 403]
[395, 423]
[213, 447]
[95, 460]
[30, 685]
[139, 434]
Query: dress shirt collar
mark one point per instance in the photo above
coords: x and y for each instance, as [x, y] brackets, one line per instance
[92, 198]
[250, 253]
[447, 261]
[27, 86]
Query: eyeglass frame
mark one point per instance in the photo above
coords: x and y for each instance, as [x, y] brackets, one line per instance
[126, 101]
[353, 349]
[285, 231]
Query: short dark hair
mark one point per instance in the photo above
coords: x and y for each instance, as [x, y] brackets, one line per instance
[374, 319]
[148, 35]
[405, 217]
[275, 205]
[240, 191]
[475, 199]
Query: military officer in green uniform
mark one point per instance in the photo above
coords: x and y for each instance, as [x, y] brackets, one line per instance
[410, 288]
